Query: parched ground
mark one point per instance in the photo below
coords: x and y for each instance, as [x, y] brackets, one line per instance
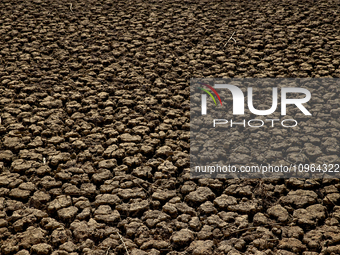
[94, 107]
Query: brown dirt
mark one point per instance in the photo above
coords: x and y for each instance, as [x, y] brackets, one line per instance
[94, 107]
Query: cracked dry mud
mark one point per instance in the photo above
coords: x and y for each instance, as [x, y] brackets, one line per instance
[94, 107]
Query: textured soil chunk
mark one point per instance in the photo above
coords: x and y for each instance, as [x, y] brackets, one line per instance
[313, 238]
[311, 215]
[27, 186]
[130, 138]
[201, 195]
[13, 143]
[26, 217]
[60, 235]
[87, 189]
[107, 199]
[2, 203]
[163, 195]
[6, 155]
[300, 198]
[59, 203]
[85, 214]
[101, 176]
[80, 230]
[56, 140]
[225, 247]
[155, 244]
[138, 252]
[31, 237]
[170, 209]
[9, 247]
[260, 219]
[104, 213]
[61, 157]
[164, 151]
[333, 249]
[291, 244]
[13, 205]
[214, 220]
[72, 190]
[40, 199]
[142, 172]
[67, 214]
[37, 142]
[50, 102]
[195, 223]
[43, 170]
[109, 164]
[137, 206]
[188, 187]
[81, 202]
[41, 249]
[207, 208]
[68, 246]
[132, 161]
[331, 199]
[50, 224]
[127, 194]
[237, 190]
[19, 194]
[278, 212]
[245, 207]
[153, 217]
[201, 247]
[168, 168]
[238, 244]
[182, 237]
[224, 201]
[23, 252]
[295, 232]
[21, 165]
[3, 223]
[49, 182]
[184, 208]
[242, 221]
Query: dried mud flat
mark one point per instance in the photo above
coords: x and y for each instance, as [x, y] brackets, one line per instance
[94, 106]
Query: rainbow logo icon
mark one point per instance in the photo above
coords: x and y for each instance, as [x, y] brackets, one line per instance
[213, 90]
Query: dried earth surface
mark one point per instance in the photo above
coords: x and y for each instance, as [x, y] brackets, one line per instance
[94, 107]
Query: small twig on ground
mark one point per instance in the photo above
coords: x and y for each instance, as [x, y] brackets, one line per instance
[123, 242]
[288, 161]
[245, 229]
[236, 148]
[300, 152]
[231, 38]
[142, 187]
[107, 251]
[71, 7]
[329, 199]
